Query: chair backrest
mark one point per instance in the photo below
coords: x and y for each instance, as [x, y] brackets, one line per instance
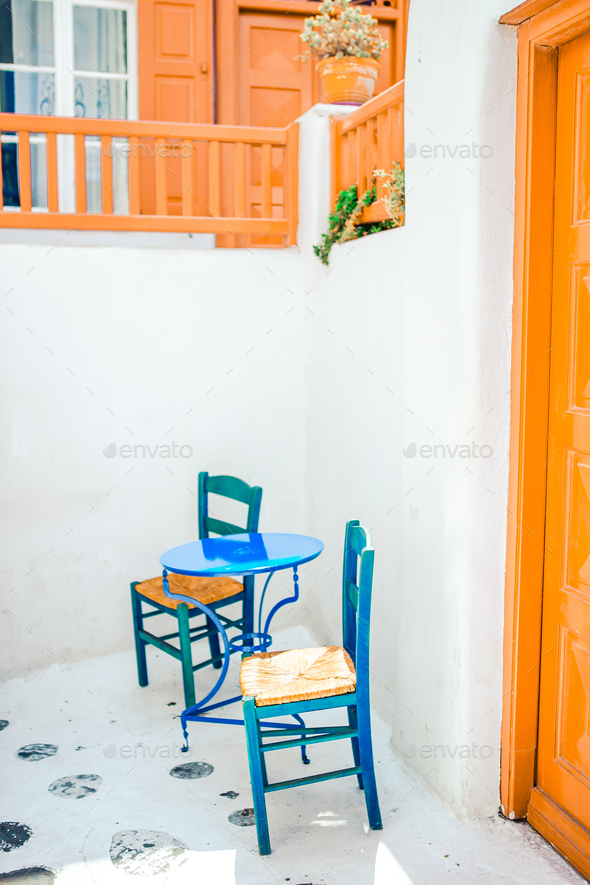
[228, 487]
[357, 587]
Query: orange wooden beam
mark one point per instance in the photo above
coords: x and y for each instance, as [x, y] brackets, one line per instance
[162, 223]
[143, 128]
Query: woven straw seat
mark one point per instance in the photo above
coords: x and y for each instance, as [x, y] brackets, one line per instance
[206, 590]
[301, 674]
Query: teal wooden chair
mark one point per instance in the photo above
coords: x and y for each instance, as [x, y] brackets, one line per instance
[305, 680]
[212, 592]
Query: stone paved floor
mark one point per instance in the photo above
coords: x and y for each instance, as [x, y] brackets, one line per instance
[104, 808]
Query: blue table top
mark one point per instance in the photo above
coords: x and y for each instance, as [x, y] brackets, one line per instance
[247, 554]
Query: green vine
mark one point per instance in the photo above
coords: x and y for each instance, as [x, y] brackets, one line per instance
[344, 222]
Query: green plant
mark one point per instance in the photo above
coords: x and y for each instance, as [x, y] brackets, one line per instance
[341, 30]
[344, 222]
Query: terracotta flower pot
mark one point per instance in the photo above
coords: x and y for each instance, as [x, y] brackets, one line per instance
[348, 80]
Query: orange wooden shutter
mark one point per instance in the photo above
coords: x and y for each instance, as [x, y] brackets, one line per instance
[175, 84]
[175, 61]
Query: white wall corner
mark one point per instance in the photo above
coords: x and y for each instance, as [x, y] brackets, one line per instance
[314, 172]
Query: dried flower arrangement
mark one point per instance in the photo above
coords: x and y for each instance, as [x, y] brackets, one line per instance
[341, 30]
[395, 198]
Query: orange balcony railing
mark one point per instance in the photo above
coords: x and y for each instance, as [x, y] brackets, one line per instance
[84, 174]
[370, 138]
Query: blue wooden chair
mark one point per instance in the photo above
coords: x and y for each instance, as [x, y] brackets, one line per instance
[305, 680]
[213, 592]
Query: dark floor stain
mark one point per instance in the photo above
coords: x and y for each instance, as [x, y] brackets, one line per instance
[172, 704]
[29, 876]
[35, 752]
[243, 818]
[13, 835]
[3, 724]
[192, 770]
[77, 786]
[146, 852]
[230, 794]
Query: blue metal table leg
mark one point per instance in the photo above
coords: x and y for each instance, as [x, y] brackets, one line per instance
[226, 652]
[195, 713]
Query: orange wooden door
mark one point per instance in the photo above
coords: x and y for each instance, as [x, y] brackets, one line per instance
[275, 87]
[388, 62]
[560, 803]
[175, 84]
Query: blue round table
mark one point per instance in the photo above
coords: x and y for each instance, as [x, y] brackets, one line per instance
[245, 554]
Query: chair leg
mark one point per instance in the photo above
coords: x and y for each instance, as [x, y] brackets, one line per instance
[140, 644]
[368, 767]
[356, 755]
[256, 774]
[214, 644]
[186, 655]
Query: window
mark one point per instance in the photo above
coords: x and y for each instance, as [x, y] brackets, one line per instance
[100, 62]
[68, 57]
[27, 57]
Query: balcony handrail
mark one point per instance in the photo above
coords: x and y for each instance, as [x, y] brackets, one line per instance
[225, 175]
[141, 128]
[372, 137]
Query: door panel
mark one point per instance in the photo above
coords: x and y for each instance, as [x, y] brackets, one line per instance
[275, 87]
[172, 96]
[563, 765]
[175, 84]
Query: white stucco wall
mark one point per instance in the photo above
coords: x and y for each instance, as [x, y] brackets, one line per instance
[133, 346]
[426, 312]
[309, 381]
[461, 72]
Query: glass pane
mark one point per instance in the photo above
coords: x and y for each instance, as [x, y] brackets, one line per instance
[100, 39]
[39, 171]
[26, 32]
[100, 98]
[10, 183]
[22, 93]
[121, 162]
[67, 183]
[93, 175]
[10, 191]
[6, 55]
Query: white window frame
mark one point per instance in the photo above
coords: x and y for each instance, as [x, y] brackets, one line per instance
[68, 73]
